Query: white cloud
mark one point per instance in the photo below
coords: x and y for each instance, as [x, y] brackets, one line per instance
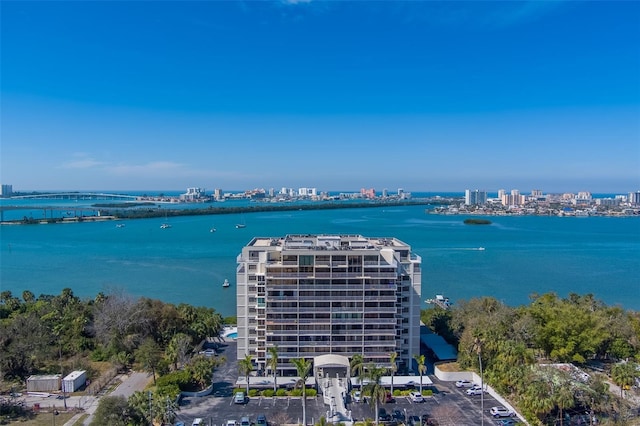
[154, 168]
[82, 161]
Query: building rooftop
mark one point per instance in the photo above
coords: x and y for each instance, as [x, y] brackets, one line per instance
[327, 242]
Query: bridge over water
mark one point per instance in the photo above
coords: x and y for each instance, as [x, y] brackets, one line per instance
[76, 196]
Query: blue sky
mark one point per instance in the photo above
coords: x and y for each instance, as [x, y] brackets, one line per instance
[427, 96]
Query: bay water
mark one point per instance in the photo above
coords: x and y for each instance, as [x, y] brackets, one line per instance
[522, 255]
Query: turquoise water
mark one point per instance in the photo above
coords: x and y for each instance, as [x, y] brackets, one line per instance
[188, 263]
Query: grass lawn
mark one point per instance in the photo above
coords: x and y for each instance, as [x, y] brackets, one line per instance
[44, 419]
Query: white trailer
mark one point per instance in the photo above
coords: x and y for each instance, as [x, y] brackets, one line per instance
[74, 381]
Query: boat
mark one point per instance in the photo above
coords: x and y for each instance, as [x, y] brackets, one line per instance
[240, 225]
[120, 225]
[212, 230]
[226, 283]
[165, 226]
[481, 248]
[440, 301]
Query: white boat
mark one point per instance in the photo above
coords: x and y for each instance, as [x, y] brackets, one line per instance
[481, 248]
[226, 283]
[120, 225]
[440, 301]
[212, 230]
[165, 226]
[240, 225]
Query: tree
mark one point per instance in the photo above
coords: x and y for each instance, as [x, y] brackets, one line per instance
[148, 355]
[374, 387]
[303, 368]
[113, 411]
[422, 368]
[245, 367]
[357, 366]
[394, 367]
[623, 375]
[178, 348]
[165, 410]
[272, 363]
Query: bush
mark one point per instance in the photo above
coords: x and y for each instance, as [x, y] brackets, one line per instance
[296, 392]
[397, 392]
[311, 393]
[254, 392]
[427, 392]
[268, 393]
[281, 392]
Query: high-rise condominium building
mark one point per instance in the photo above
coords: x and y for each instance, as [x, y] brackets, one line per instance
[313, 295]
[476, 197]
[6, 190]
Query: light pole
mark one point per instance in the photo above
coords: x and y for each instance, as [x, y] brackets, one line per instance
[478, 344]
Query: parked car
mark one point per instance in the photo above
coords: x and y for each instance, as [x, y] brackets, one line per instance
[413, 421]
[506, 422]
[383, 415]
[231, 423]
[388, 397]
[476, 390]
[244, 421]
[397, 415]
[500, 411]
[261, 420]
[239, 398]
[357, 396]
[464, 384]
[416, 396]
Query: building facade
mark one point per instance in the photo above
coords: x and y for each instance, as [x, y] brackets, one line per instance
[475, 197]
[313, 295]
[6, 190]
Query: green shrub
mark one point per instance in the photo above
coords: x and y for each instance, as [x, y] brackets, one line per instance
[268, 393]
[296, 392]
[397, 392]
[281, 392]
[254, 392]
[311, 393]
[427, 392]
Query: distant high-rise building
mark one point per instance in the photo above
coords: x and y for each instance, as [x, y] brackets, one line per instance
[368, 193]
[512, 199]
[385, 193]
[6, 190]
[475, 197]
[217, 194]
[536, 193]
[634, 198]
[313, 295]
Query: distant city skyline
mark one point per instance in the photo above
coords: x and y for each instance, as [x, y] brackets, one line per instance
[424, 96]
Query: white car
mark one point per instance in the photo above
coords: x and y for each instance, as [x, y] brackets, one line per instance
[464, 384]
[357, 396]
[500, 412]
[475, 390]
[416, 397]
[231, 423]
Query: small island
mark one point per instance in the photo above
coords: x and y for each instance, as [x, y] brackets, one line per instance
[477, 222]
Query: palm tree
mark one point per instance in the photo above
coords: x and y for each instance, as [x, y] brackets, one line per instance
[373, 387]
[564, 397]
[422, 368]
[304, 368]
[273, 364]
[357, 366]
[623, 375]
[245, 367]
[394, 367]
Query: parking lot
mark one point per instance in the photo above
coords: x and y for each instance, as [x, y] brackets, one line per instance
[448, 405]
